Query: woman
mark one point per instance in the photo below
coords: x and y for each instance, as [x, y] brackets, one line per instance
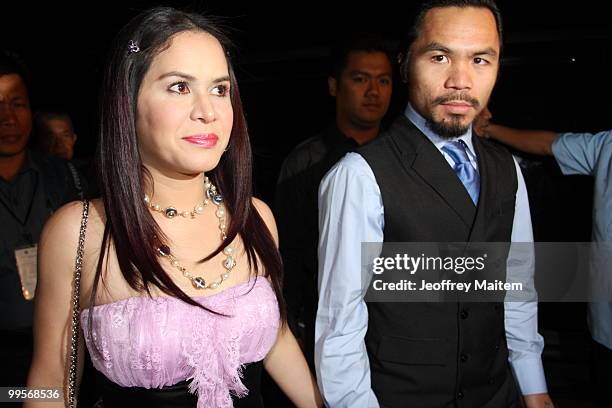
[180, 286]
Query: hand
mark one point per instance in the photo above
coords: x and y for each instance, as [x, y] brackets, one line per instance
[538, 401]
[481, 123]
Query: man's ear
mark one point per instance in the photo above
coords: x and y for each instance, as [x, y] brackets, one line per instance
[332, 84]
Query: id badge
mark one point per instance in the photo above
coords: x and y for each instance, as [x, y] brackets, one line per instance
[26, 266]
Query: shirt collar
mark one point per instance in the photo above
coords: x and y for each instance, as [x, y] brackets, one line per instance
[31, 162]
[421, 123]
[29, 165]
[337, 139]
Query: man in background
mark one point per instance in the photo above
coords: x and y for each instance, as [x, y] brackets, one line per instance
[55, 134]
[361, 83]
[31, 188]
[584, 154]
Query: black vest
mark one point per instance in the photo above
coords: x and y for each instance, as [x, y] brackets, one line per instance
[438, 355]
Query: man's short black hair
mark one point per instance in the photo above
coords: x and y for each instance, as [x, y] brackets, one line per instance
[43, 115]
[12, 63]
[426, 6]
[355, 42]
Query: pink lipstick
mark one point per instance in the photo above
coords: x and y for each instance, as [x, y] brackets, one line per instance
[207, 140]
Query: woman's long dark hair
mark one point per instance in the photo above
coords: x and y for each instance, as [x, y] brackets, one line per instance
[129, 224]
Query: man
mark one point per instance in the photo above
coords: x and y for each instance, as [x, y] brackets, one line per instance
[586, 154]
[361, 82]
[55, 134]
[31, 188]
[428, 180]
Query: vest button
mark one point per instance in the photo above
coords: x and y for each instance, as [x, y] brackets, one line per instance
[463, 358]
[464, 314]
[460, 395]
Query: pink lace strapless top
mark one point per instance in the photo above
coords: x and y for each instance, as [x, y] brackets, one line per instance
[156, 342]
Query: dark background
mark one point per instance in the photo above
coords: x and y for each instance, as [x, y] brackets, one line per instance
[555, 68]
[555, 75]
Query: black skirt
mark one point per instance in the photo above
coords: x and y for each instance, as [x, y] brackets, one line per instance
[177, 395]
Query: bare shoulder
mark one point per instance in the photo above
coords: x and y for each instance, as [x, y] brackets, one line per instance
[263, 209]
[58, 242]
[60, 235]
[64, 223]
[266, 215]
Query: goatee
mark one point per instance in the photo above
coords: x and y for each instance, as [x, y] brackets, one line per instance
[448, 129]
[452, 127]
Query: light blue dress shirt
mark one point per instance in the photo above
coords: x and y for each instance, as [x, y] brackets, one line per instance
[351, 212]
[591, 154]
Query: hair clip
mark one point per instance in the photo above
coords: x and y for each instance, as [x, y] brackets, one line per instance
[133, 47]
